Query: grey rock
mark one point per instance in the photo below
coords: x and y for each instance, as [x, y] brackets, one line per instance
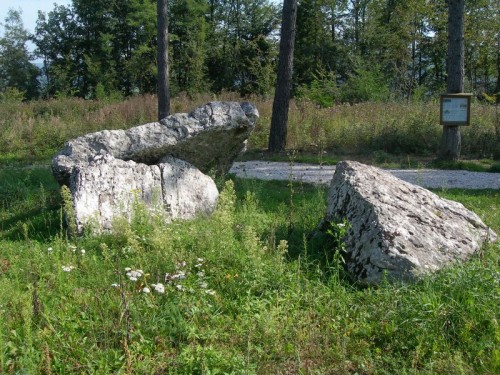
[210, 138]
[160, 164]
[396, 229]
[108, 188]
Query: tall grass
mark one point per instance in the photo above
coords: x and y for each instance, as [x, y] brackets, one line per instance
[394, 128]
[36, 130]
[245, 292]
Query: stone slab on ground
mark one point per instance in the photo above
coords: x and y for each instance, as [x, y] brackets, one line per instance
[162, 165]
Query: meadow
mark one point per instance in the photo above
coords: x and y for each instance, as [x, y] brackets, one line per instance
[405, 133]
[243, 291]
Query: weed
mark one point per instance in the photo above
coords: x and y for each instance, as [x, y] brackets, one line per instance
[69, 210]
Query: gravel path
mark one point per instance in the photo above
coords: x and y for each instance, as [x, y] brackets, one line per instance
[322, 175]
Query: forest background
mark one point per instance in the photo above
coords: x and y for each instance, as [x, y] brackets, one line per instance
[346, 50]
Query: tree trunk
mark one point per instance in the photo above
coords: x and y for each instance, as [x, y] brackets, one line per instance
[162, 57]
[279, 120]
[451, 140]
[497, 88]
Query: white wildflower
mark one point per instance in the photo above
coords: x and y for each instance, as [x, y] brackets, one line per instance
[179, 287]
[199, 265]
[133, 275]
[146, 290]
[203, 285]
[199, 260]
[82, 251]
[67, 268]
[210, 292]
[115, 285]
[127, 269]
[159, 288]
[49, 249]
[200, 274]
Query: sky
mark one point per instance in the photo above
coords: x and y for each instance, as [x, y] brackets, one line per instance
[29, 10]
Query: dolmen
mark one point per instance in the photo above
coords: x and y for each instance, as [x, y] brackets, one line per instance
[398, 231]
[163, 165]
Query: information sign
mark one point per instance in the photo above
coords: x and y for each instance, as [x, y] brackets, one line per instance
[455, 109]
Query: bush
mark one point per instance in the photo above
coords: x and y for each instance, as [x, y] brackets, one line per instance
[368, 84]
[322, 91]
[12, 95]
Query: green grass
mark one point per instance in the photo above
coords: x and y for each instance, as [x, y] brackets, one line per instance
[483, 165]
[29, 203]
[257, 297]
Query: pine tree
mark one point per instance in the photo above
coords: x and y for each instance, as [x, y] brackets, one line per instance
[451, 139]
[16, 70]
[279, 119]
[163, 90]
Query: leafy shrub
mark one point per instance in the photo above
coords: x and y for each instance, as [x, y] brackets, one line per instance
[368, 84]
[12, 95]
[322, 91]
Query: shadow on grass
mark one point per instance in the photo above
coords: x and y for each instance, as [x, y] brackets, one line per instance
[29, 204]
[297, 210]
[37, 224]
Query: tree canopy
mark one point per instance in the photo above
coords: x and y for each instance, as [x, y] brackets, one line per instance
[345, 50]
[18, 76]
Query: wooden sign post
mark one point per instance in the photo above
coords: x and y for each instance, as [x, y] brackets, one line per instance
[455, 109]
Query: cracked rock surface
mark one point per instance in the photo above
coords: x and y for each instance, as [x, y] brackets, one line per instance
[107, 188]
[396, 229]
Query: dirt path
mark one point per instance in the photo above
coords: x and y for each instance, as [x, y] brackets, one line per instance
[322, 175]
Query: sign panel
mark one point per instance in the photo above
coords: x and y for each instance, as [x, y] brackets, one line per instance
[455, 109]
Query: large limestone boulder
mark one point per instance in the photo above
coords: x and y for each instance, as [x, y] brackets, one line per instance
[210, 137]
[160, 164]
[398, 229]
[107, 188]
